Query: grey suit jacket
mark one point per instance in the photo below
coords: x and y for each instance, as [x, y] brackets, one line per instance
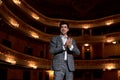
[56, 48]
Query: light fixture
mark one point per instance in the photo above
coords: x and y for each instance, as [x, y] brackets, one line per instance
[114, 42]
[35, 16]
[18, 2]
[86, 26]
[110, 39]
[10, 59]
[109, 22]
[110, 66]
[86, 44]
[14, 22]
[33, 34]
[32, 64]
[51, 74]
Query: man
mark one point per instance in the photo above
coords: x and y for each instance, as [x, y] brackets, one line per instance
[62, 47]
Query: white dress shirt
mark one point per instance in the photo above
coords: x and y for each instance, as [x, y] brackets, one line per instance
[64, 39]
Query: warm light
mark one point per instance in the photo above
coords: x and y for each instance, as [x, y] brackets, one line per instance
[14, 22]
[1, 53]
[0, 2]
[10, 59]
[32, 64]
[86, 44]
[109, 40]
[86, 26]
[35, 16]
[109, 22]
[110, 66]
[114, 42]
[118, 73]
[33, 34]
[88, 49]
[51, 72]
[18, 2]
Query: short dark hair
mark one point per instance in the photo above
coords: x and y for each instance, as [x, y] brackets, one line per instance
[63, 22]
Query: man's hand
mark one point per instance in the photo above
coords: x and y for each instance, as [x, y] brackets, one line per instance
[68, 42]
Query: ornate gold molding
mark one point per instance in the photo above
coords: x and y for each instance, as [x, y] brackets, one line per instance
[16, 58]
[73, 23]
[18, 24]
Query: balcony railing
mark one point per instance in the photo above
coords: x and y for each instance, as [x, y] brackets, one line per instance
[21, 59]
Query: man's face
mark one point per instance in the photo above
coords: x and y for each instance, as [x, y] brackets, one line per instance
[64, 29]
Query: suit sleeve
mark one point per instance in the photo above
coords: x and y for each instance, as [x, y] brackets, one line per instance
[55, 48]
[75, 48]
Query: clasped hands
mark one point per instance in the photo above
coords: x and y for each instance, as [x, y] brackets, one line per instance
[68, 43]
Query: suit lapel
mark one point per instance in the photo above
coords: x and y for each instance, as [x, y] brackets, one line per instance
[60, 40]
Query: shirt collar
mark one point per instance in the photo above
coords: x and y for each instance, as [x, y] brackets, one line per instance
[63, 36]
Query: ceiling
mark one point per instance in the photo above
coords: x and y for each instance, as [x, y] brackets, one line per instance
[76, 9]
[72, 10]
